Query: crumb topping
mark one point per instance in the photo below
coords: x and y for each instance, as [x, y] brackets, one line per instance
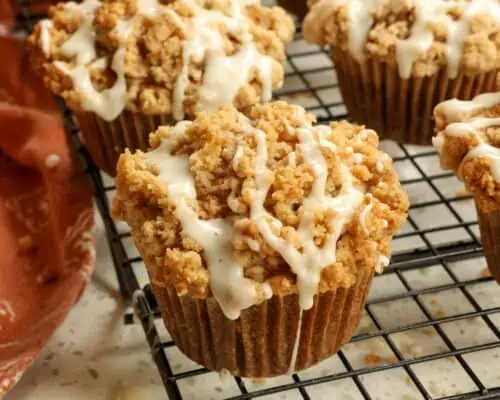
[468, 142]
[419, 36]
[178, 58]
[243, 208]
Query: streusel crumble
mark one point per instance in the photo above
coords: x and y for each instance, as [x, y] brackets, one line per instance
[177, 58]
[329, 200]
[420, 36]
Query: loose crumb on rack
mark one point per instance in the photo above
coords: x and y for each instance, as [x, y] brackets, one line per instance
[259, 381]
[462, 193]
[485, 273]
[372, 359]
[429, 332]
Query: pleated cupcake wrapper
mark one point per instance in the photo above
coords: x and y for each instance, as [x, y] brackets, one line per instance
[107, 140]
[400, 109]
[261, 342]
[489, 226]
[296, 7]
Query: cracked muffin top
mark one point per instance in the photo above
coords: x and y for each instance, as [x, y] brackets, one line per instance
[177, 59]
[242, 208]
[419, 36]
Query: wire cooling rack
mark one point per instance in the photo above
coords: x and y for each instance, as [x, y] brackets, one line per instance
[431, 324]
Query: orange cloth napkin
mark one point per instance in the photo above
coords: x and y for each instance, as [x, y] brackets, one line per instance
[46, 217]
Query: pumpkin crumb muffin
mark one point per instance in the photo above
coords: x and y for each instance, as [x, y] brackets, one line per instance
[468, 142]
[396, 60]
[261, 234]
[126, 66]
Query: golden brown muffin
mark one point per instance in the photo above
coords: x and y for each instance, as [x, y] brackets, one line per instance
[126, 66]
[396, 60]
[468, 142]
[261, 234]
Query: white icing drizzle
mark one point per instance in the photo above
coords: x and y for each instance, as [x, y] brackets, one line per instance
[100, 63]
[421, 37]
[224, 75]
[109, 103]
[81, 44]
[45, 27]
[237, 157]
[452, 110]
[323, 141]
[147, 8]
[218, 89]
[307, 265]
[361, 20]
[363, 214]
[230, 288]
[295, 350]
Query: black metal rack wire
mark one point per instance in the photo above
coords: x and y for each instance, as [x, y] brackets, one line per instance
[436, 274]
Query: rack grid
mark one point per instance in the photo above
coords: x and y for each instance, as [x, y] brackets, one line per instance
[431, 326]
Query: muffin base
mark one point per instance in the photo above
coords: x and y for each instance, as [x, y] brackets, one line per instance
[107, 140]
[296, 7]
[489, 227]
[261, 342]
[400, 109]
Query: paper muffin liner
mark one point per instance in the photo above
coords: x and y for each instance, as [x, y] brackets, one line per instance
[296, 7]
[261, 342]
[489, 227]
[400, 109]
[105, 140]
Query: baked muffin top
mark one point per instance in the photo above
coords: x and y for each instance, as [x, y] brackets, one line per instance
[176, 59]
[468, 142]
[244, 208]
[419, 36]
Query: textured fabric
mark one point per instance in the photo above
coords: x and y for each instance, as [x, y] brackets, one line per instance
[46, 218]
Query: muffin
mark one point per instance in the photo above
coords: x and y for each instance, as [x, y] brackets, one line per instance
[396, 60]
[260, 234]
[468, 142]
[296, 7]
[127, 66]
